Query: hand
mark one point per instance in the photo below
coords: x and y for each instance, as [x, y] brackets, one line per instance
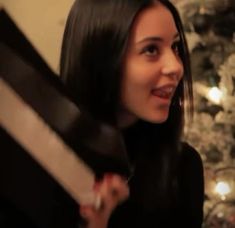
[113, 190]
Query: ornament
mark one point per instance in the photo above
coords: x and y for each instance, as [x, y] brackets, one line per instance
[213, 155]
[201, 22]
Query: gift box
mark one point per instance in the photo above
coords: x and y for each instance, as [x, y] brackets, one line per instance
[33, 101]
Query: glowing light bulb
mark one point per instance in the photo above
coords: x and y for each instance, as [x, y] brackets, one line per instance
[220, 214]
[223, 189]
[215, 95]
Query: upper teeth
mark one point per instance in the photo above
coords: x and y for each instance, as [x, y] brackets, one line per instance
[168, 89]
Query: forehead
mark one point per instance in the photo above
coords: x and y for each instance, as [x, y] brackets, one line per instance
[156, 20]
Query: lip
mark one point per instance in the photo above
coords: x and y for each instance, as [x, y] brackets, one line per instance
[165, 92]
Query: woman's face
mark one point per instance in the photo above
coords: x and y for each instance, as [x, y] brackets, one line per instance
[152, 67]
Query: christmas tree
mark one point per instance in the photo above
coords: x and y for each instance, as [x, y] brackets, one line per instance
[210, 31]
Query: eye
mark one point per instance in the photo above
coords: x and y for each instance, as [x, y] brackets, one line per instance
[176, 47]
[150, 50]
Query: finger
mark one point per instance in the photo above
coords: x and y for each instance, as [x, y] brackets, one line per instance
[119, 188]
[114, 189]
[101, 189]
[87, 212]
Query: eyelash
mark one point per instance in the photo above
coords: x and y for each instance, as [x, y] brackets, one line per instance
[176, 47]
[152, 50]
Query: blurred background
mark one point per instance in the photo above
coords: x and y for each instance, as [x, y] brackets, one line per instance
[42, 22]
[210, 31]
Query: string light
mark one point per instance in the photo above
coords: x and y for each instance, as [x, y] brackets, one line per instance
[215, 95]
[223, 189]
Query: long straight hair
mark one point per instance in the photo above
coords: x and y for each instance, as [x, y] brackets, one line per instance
[94, 44]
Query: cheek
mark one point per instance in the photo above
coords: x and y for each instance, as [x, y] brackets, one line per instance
[136, 86]
[139, 74]
[135, 82]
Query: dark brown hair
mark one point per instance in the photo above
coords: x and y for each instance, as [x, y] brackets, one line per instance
[95, 41]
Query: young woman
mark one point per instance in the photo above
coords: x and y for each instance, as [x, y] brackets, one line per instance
[127, 63]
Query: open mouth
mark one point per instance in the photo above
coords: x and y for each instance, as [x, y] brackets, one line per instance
[164, 93]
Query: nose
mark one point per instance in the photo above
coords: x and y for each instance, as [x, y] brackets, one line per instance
[172, 65]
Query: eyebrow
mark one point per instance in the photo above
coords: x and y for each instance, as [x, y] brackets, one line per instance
[156, 38]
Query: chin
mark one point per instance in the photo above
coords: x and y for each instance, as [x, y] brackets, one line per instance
[157, 118]
[158, 121]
